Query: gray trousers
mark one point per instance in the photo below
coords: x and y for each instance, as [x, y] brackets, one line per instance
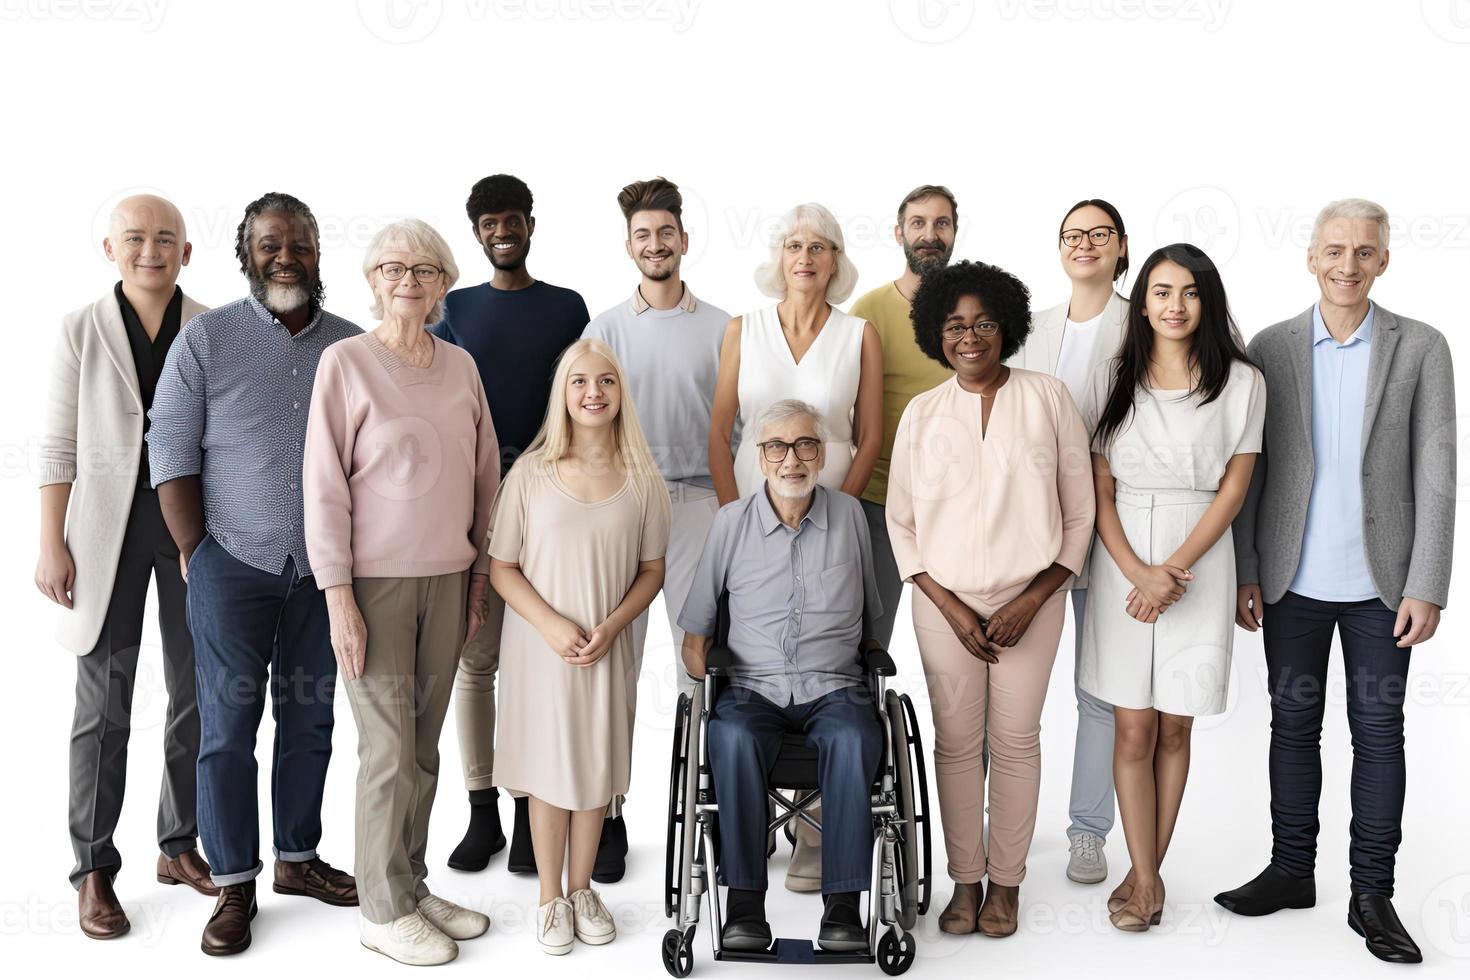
[1091, 808]
[885, 569]
[104, 702]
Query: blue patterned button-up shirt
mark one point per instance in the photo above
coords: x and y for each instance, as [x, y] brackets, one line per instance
[231, 407]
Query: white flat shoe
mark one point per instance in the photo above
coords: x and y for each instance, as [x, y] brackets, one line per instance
[455, 921]
[409, 939]
[592, 921]
[554, 928]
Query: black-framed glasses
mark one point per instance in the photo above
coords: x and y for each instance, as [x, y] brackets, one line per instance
[955, 332]
[424, 273]
[775, 450]
[1099, 236]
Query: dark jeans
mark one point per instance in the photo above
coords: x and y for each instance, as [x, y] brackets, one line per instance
[252, 627]
[102, 722]
[885, 570]
[1298, 640]
[744, 738]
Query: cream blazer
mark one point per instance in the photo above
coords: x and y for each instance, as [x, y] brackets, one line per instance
[93, 438]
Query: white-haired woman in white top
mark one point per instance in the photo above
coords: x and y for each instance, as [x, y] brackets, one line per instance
[801, 347]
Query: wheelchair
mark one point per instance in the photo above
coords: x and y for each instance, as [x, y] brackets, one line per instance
[899, 889]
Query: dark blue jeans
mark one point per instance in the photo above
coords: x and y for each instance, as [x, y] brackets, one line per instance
[1298, 640]
[257, 632]
[744, 738]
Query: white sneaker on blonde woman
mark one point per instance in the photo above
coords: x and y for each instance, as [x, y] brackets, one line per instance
[455, 921]
[410, 939]
[593, 922]
[554, 928]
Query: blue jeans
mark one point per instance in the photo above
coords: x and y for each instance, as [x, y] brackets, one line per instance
[1091, 807]
[744, 737]
[1298, 639]
[251, 628]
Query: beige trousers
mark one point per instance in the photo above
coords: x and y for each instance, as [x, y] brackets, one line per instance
[415, 628]
[973, 701]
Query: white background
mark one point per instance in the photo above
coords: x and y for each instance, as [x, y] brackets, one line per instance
[1222, 122]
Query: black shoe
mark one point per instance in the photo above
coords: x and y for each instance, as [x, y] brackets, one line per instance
[612, 852]
[746, 928]
[1270, 891]
[1373, 918]
[484, 836]
[522, 857]
[842, 925]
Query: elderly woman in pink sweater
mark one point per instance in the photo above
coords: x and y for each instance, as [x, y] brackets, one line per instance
[400, 475]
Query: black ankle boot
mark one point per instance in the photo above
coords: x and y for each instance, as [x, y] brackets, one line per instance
[484, 836]
[746, 927]
[842, 924]
[1270, 891]
[522, 857]
[1373, 917]
[612, 852]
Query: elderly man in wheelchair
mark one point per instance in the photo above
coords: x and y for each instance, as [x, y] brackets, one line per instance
[788, 574]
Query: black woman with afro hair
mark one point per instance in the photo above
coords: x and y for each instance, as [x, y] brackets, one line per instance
[990, 514]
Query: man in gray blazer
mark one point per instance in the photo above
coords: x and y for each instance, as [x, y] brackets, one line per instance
[97, 564]
[1348, 525]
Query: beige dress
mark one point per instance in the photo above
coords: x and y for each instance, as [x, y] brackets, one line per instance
[565, 733]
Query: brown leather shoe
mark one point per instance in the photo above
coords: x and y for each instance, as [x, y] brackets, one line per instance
[228, 929]
[958, 917]
[998, 915]
[98, 910]
[316, 879]
[187, 869]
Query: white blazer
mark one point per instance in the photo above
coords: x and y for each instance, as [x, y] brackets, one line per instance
[1043, 349]
[93, 439]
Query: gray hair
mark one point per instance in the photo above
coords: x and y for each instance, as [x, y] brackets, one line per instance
[1353, 208]
[818, 221]
[417, 236]
[788, 408]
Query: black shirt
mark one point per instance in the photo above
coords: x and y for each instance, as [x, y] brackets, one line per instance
[149, 355]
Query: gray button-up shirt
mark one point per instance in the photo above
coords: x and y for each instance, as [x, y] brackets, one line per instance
[231, 407]
[799, 599]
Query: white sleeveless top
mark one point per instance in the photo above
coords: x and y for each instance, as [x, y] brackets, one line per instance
[826, 378]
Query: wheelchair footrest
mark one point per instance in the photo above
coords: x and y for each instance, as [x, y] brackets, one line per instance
[795, 951]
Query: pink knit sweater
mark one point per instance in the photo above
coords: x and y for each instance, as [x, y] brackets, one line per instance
[401, 465]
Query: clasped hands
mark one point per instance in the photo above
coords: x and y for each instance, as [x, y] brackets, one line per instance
[578, 648]
[985, 637]
[1155, 589]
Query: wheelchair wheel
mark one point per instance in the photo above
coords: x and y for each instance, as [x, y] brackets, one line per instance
[678, 952]
[912, 789]
[895, 955]
[681, 811]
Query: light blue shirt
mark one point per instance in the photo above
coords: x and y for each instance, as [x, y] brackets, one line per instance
[1334, 565]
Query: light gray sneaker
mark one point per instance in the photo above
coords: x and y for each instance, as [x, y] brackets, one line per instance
[1087, 865]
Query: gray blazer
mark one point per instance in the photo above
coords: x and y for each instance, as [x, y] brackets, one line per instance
[1408, 461]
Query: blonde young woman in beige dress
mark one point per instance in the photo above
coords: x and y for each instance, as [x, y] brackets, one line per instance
[578, 554]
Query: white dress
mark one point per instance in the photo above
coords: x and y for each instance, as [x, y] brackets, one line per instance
[826, 378]
[1167, 461]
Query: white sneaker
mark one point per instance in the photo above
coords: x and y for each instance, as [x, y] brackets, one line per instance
[554, 929]
[1087, 864]
[594, 924]
[455, 921]
[410, 939]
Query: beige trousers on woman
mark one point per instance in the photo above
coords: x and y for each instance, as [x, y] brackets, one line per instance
[415, 628]
[973, 701]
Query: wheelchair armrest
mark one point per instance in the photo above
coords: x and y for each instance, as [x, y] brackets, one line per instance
[718, 660]
[876, 659]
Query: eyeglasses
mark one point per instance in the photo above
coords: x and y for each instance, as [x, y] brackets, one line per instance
[955, 332]
[394, 271]
[1099, 236]
[775, 450]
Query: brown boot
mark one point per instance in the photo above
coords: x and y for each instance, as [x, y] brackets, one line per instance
[958, 917]
[999, 915]
[98, 910]
[316, 879]
[228, 929]
[187, 869]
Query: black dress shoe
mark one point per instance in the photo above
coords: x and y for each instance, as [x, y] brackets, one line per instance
[1373, 918]
[842, 926]
[747, 935]
[484, 836]
[522, 857]
[612, 852]
[1270, 891]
